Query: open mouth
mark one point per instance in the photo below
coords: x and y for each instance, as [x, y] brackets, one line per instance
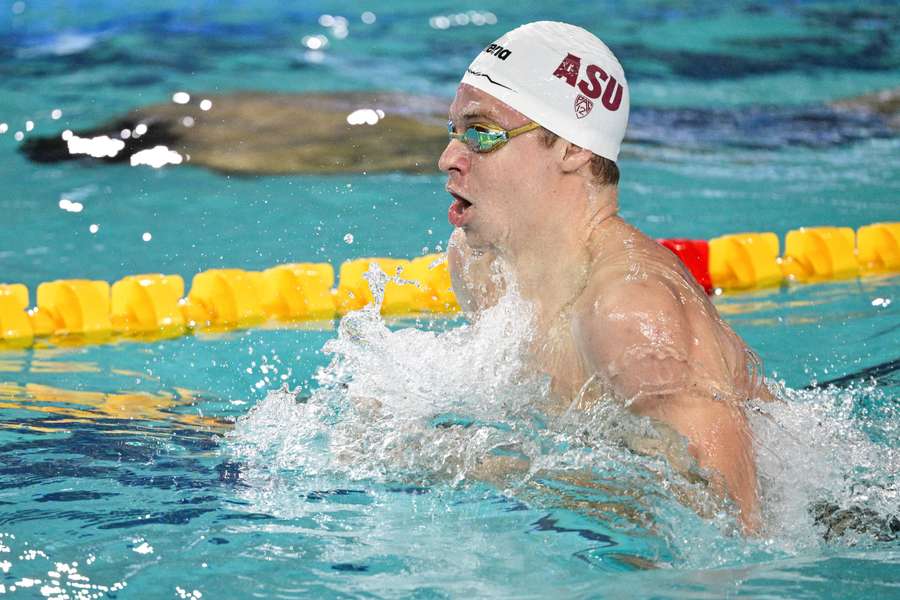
[461, 200]
[459, 212]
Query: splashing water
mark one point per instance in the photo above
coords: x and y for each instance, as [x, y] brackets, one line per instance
[397, 403]
[462, 406]
[828, 461]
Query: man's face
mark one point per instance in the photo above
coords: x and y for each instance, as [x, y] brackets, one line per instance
[499, 195]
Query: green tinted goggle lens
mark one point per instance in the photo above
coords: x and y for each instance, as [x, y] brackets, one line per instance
[480, 138]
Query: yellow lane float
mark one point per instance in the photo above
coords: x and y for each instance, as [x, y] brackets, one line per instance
[878, 247]
[415, 286]
[15, 326]
[224, 297]
[75, 306]
[41, 321]
[353, 291]
[743, 261]
[819, 254]
[148, 304]
[298, 291]
[431, 276]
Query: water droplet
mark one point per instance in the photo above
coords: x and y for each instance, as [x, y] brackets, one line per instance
[315, 42]
[348, 239]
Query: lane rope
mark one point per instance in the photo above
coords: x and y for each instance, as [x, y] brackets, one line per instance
[155, 306]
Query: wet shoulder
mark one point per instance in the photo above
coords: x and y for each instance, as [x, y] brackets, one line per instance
[641, 274]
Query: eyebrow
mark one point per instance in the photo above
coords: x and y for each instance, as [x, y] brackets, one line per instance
[477, 116]
[473, 115]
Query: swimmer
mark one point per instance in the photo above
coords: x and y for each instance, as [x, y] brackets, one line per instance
[535, 131]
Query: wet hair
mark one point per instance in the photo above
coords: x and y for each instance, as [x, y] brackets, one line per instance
[605, 171]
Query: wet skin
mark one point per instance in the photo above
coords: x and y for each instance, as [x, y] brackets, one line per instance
[616, 314]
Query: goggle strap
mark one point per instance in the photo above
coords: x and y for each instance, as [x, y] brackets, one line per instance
[523, 129]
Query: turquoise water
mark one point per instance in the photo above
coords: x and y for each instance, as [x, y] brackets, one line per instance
[144, 464]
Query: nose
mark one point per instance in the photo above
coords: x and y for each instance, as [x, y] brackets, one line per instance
[455, 157]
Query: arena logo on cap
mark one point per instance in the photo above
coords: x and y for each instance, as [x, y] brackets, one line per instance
[498, 51]
[591, 86]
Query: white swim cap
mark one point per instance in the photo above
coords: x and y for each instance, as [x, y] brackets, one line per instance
[562, 77]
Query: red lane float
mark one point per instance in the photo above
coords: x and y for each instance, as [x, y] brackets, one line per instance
[695, 256]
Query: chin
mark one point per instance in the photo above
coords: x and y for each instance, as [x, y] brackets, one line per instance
[474, 240]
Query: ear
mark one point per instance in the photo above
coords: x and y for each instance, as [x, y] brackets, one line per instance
[574, 157]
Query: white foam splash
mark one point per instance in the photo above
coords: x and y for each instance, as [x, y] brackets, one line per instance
[421, 406]
[828, 446]
[372, 415]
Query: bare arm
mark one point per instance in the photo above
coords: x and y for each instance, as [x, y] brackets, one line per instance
[638, 337]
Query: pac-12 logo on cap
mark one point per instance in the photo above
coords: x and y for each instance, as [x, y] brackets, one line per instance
[582, 106]
[591, 86]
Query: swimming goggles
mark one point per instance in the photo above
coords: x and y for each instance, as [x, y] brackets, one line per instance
[483, 138]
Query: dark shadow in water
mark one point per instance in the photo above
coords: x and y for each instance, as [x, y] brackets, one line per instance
[175, 517]
[103, 453]
[754, 127]
[765, 56]
[882, 373]
[414, 490]
[229, 472]
[197, 500]
[73, 496]
[889, 331]
[854, 18]
[339, 496]
[839, 521]
[548, 523]
[350, 568]
[245, 517]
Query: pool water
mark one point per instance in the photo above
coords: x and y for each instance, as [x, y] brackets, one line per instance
[181, 468]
